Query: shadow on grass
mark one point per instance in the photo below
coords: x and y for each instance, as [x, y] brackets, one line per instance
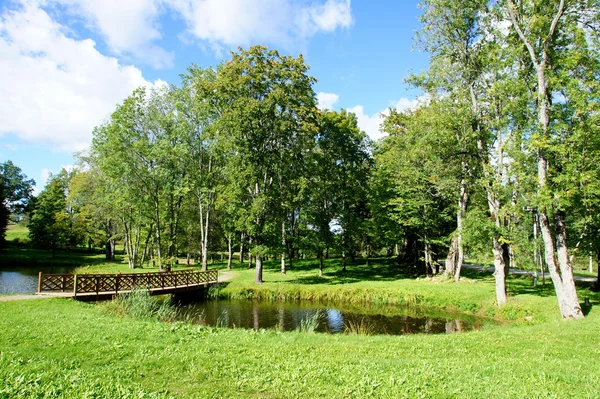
[14, 257]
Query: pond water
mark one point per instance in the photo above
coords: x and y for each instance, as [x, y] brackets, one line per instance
[286, 316]
[25, 280]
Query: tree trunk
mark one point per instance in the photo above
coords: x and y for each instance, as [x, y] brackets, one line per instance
[230, 253]
[157, 222]
[110, 249]
[145, 252]
[343, 261]
[259, 269]
[283, 243]
[598, 275]
[460, 215]
[242, 248]
[499, 271]
[450, 265]
[321, 263]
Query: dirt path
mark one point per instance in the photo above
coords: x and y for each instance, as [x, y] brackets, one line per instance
[527, 273]
[20, 297]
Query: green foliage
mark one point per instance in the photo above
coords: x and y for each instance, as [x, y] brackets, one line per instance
[49, 227]
[15, 194]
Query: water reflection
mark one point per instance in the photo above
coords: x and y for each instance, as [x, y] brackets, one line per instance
[288, 316]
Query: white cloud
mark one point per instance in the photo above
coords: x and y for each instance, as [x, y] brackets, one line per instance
[326, 17]
[370, 123]
[327, 100]
[55, 89]
[10, 147]
[40, 184]
[287, 23]
[129, 27]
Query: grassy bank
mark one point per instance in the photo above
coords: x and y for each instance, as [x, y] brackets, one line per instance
[382, 282]
[60, 348]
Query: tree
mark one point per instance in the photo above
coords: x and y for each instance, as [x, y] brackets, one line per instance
[340, 182]
[49, 224]
[418, 163]
[467, 64]
[142, 153]
[15, 192]
[195, 103]
[268, 117]
[551, 32]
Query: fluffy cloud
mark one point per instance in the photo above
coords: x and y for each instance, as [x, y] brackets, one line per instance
[370, 123]
[55, 89]
[129, 27]
[327, 100]
[287, 23]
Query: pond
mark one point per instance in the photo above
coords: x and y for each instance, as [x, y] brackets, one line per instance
[25, 280]
[286, 316]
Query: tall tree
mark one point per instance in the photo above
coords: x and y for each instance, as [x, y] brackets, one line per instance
[460, 38]
[548, 32]
[49, 225]
[15, 192]
[268, 116]
[197, 110]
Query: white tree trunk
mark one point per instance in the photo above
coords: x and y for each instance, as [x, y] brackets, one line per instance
[230, 253]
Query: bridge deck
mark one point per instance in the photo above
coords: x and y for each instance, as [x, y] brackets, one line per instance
[96, 285]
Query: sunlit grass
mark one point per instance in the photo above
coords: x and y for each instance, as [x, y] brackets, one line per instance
[61, 348]
[17, 232]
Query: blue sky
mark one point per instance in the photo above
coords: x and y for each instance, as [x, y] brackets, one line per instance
[65, 64]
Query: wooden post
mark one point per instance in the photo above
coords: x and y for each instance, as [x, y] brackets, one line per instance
[117, 283]
[40, 282]
[75, 285]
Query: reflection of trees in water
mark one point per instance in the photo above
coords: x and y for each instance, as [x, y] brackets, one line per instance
[287, 317]
[453, 326]
[281, 317]
[255, 314]
[429, 326]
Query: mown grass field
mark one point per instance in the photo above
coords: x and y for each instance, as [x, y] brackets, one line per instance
[58, 348]
[61, 348]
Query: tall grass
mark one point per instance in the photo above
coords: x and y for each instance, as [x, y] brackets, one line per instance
[362, 327]
[310, 323]
[139, 304]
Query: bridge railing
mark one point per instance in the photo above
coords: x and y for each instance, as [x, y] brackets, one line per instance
[123, 282]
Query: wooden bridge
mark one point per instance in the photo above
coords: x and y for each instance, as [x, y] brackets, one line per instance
[93, 286]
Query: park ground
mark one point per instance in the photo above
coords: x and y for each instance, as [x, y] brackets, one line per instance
[60, 348]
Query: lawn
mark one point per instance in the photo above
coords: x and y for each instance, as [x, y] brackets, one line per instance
[17, 232]
[62, 348]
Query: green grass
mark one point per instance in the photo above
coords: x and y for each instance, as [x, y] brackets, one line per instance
[17, 232]
[61, 348]
[383, 283]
